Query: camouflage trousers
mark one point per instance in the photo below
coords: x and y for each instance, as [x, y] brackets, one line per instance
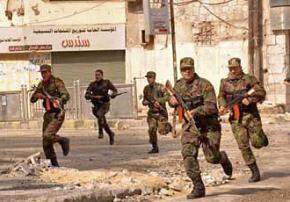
[157, 122]
[210, 143]
[52, 122]
[249, 130]
[99, 112]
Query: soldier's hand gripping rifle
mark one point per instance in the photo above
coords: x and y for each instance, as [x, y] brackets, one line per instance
[57, 103]
[152, 104]
[234, 104]
[48, 99]
[187, 115]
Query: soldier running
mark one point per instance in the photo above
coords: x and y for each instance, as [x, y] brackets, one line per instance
[155, 98]
[245, 119]
[97, 93]
[199, 96]
[54, 95]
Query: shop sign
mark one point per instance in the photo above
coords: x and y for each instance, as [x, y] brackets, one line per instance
[64, 38]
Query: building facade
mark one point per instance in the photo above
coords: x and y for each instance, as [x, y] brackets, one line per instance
[77, 37]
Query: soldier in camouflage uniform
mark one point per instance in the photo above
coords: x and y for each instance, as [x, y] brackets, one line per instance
[54, 115]
[97, 93]
[248, 127]
[157, 117]
[199, 95]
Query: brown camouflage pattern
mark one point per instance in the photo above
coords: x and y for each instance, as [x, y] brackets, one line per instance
[210, 135]
[249, 128]
[157, 119]
[52, 121]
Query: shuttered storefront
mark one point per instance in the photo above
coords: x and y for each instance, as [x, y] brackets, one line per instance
[71, 66]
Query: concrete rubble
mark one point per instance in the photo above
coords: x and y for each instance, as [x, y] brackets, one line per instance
[118, 184]
[33, 165]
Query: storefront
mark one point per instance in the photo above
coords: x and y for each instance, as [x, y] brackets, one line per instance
[74, 51]
[71, 66]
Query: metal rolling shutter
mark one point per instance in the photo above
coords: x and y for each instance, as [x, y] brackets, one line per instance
[71, 66]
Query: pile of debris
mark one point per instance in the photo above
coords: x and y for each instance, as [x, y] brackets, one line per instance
[118, 183]
[121, 183]
[33, 165]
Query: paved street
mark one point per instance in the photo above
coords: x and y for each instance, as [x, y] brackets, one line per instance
[130, 152]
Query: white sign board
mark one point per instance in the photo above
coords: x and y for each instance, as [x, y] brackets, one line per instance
[62, 38]
[156, 16]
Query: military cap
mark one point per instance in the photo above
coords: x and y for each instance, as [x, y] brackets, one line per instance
[234, 62]
[186, 62]
[45, 67]
[151, 74]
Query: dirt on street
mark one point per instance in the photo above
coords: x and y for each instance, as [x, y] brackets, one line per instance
[89, 154]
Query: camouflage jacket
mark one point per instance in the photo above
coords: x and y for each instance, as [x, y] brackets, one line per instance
[55, 87]
[100, 88]
[231, 86]
[156, 92]
[203, 90]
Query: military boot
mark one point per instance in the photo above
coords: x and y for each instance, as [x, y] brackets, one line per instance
[226, 164]
[198, 190]
[110, 133]
[255, 173]
[112, 139]
[54, 162]
[154, 150]
[266, 141]
[64, 143]
[101, 135]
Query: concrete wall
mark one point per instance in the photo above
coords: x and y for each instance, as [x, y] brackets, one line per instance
[199, 34]
[274, 62]
[38, 12]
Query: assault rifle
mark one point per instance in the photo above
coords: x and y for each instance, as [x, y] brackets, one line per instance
[151, 101]
[48, 100]
[186, 113]
[99, 97]
[234, 103]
